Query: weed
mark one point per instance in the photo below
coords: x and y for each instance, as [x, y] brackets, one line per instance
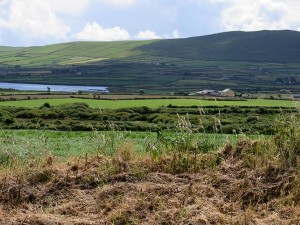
[287, 140]
[123, 218]
[123, 156]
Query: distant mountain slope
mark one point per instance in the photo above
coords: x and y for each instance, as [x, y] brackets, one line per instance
[260, 46]
[68, 53]
[266, 46]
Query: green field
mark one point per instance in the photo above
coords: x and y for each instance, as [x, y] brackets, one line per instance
[32, 143]
[151, 103]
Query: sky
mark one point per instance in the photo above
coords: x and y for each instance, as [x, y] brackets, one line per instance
[42, 22]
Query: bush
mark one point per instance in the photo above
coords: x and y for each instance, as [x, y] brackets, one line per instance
[206, 145]
[262, 110]
[8, 120]
[46, 105]
[252, 119]
[26, 114]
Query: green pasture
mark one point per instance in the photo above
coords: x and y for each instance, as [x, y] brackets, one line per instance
[24, 144]
[151, 103]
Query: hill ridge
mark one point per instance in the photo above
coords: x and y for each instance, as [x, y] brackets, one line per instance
[257, 46]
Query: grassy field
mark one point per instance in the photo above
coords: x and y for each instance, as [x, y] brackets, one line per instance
[152, 103]
[247, 182]
[24, 144]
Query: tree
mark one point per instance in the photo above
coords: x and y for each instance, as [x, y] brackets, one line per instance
[46, 105]
[141, 92]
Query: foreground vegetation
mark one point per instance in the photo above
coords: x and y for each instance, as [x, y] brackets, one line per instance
[184, 180]
[190, 165]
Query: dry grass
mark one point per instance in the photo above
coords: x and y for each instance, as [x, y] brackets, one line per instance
[132, 189]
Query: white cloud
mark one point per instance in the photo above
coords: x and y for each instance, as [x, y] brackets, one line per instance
[33, 19]
[94, 32]
[119, 3]
[250, 15]
[147, 34]
[175, 34]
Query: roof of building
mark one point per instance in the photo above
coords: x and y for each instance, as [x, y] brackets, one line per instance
[207, 91]
[226, 90]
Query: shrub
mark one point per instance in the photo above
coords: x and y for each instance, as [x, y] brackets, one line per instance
[206, 145]
[27, 114]
[8, 120]
[252, 119]
[46, 105]
[262, 110]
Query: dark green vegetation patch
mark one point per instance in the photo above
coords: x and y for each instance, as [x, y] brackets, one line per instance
[81, 117]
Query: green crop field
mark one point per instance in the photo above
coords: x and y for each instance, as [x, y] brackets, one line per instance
[151, 103]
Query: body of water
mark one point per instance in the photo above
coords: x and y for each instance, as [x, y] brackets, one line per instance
[56, 88]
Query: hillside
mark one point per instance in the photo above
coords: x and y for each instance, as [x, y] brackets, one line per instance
[264, 46]
[68, 53]
[245, 61]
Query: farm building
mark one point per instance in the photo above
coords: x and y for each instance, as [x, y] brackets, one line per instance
[296, 96]
[224, 93]
[227, 93]
[209, 93]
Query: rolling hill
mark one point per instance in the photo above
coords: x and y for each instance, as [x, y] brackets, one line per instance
[263, 46]
[240, 60]
[260, 46]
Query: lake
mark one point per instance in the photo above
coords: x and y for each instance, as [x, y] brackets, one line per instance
[56, 88]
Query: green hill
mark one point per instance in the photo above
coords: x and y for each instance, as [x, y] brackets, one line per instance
[68, 53]
[245, 61]
[261, 46]
[265, 46]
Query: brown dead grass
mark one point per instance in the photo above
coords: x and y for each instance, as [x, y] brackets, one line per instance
[127, 189]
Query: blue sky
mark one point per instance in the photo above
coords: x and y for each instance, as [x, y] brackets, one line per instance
[40, 22]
